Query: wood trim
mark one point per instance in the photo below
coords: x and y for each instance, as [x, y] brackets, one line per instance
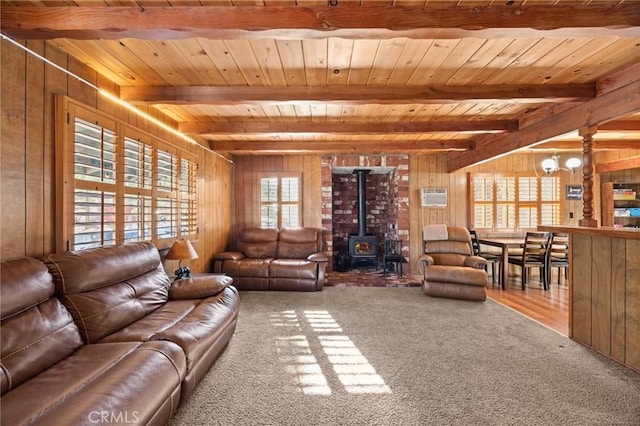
[346, 20]
[627, 233]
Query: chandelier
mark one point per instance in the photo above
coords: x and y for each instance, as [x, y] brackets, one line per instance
[552, 164]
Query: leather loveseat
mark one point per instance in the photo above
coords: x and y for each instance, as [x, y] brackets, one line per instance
[271, 259]
[103, 336]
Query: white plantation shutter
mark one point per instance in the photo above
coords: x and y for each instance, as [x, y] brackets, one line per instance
[94, 152]
[505, 203]
[94, 219]
[550, 193]
[94, 172]
[138, 175]
[280, 202]
[521, 202]
[188, 194]
[482, 201]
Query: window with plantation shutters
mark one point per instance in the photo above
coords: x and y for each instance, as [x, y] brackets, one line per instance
[505, 211]
[280, 201]
[138, 170]
[187, 195]
[550, 199]
[511, 203]
[94, 172]
[167, 198]
[482, 201]
[118, 184]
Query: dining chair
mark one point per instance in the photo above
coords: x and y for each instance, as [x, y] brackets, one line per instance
[557, 256]
[392, 254]
[533, 255]
[492, 258]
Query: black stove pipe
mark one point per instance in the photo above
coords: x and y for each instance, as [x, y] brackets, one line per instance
[362, 200]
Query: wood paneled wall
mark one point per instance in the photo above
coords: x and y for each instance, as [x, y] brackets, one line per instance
[27, 179]
[605, 296]
[247, 170]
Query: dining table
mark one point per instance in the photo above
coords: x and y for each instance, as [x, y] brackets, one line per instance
[504, 243]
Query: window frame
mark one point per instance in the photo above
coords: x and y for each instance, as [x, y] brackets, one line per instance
[279, 203]
[148, 196]
[517, 204]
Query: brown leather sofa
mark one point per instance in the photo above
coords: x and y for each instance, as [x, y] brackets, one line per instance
[271, 259]
[103, 336]
[449, 266]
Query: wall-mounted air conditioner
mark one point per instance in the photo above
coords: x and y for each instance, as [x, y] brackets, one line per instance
[433, 197]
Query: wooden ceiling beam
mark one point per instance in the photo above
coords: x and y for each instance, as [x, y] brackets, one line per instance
[212, 128]
[347, 19]
[610, 106]
[261, 147]
[222, 95]
[598, 145]
[618, 165]
[620, 126]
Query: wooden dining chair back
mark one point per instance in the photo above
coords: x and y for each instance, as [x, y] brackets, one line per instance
[534, 255]
[557, 256]
[494, 259]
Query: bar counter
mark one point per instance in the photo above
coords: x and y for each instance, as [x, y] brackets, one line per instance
[604, 290]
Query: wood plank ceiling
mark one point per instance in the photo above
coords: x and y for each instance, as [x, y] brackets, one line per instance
[477, 78]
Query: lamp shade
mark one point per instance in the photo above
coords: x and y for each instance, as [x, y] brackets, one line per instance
[181, 250]
[573, 163]
[549, 165]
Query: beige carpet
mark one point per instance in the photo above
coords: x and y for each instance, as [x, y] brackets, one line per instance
[392, 356]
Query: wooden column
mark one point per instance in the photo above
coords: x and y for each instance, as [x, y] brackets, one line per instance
[587, 177]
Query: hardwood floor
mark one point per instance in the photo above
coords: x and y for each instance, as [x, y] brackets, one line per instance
[550, 307]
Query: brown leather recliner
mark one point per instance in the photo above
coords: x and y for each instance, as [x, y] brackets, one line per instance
[449, 266]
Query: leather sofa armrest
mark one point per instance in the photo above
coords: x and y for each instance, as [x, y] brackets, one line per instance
[228, 255]
[475, 262]
[426, 260]
[199, 287]
[318, 257]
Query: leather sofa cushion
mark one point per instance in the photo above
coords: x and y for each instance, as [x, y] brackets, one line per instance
[37, 331]
[25, 283]
[454, 291]
[84, 270]
[199, 287]
[115, 297]
[298, 243]
[456, 275]
[258, 268]
[258, 243]
[106, 310]
[452, 259]
[290, 268]
[192, 324]
[117, 379]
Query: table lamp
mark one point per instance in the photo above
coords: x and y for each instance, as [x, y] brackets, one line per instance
[181, 250]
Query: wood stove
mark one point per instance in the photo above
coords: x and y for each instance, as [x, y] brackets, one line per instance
[362, 246]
